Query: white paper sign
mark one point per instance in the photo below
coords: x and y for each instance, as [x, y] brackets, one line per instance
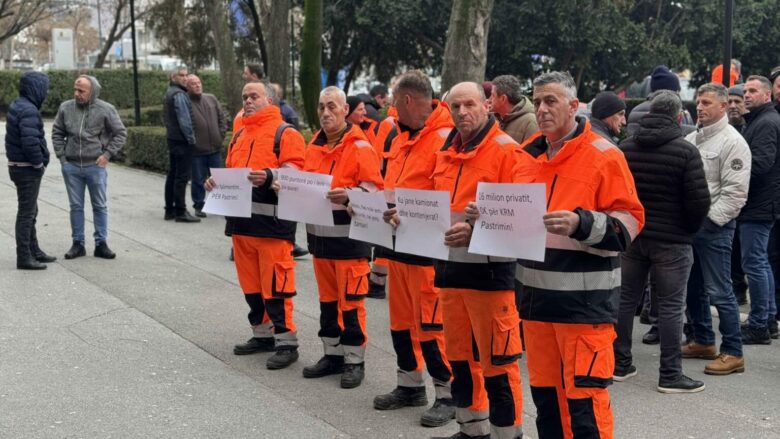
[302, 197]
[424, 218]
[232, 195]
[510, 221]
[367, 223]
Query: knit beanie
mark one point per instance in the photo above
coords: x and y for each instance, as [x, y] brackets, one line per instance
[664, 79]
[353, 102]
[606, 104]
[737, 91]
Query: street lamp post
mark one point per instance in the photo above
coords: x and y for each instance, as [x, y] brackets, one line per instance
[137, 101]
[727, 27]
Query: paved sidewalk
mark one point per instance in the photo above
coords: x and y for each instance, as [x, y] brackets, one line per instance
[141, 346]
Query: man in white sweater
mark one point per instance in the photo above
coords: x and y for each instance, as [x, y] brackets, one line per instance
[726, 157]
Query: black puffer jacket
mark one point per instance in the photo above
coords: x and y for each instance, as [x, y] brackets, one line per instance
[669, 178]
[25, 141]
[762, 134]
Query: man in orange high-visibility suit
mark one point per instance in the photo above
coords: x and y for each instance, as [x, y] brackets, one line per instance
[263, 243]
[481, 324]
[340, 149]
[568, 303]
[415, 315]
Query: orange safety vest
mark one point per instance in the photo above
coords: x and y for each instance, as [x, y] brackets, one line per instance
[352, 163]
[385, 132]
[579, 280]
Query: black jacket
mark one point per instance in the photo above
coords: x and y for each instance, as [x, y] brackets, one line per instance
[762, 134]
[670, 179]
[179, 127]
[25, 141]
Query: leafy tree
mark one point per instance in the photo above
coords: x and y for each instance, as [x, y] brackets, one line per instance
[182, 27]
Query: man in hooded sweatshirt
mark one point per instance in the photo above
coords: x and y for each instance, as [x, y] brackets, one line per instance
[87, 132]
[25, 148]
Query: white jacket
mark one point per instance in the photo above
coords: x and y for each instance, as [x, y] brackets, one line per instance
[726, 157]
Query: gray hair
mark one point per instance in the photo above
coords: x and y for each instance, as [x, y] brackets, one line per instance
[334, 90]
[176, 70]
[270, 92]
[563, 78]
[666, 102]
[719, 90]
[762, 79]
[737, 64]
[508, 86]
[415, 82]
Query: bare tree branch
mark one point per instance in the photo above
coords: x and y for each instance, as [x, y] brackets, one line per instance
[18, 15]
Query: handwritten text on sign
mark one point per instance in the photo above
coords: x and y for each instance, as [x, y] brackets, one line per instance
[367, 222]
[510, 221]
[232, 194]
[424, 218]
[302, 197]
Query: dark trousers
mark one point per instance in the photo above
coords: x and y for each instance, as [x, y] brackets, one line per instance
[179, 172]
[28, 184]
[774, 260]
[669, 264]
[200, 172]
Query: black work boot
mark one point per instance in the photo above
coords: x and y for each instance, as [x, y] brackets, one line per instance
[352, 376]
[254, 345]
[774, 331]
[41, 256]
[751, 335]
[375, 290]
[102, 251]
[327, 365]
[77, 250]
[29, 263]
[441, 413]
[401, 397]
[186, 217]
[282, 358]
[299, 252]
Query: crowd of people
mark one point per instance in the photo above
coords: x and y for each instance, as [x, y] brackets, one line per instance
[647, 213]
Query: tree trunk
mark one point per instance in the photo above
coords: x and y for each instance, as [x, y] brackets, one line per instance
[311, 59]
[113, 35]
[230, 73]
[279, 43]
[259, 34]
[465, 54]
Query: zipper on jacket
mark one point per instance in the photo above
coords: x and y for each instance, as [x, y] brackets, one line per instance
[81, 129]
[249, 157]
[457, 180]
[552, 189]
[332, 165]
[403, 165]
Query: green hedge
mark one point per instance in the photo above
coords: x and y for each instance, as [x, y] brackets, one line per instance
[150, 116]
[147, 148]
[117, 87]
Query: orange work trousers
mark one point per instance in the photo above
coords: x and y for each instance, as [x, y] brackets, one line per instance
[569, 368]
[482, 340]
[416, 327]
[266, 273]
[343, 285]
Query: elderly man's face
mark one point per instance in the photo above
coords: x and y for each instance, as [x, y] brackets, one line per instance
[194, 85]
[180, 77]
[555, 110]
[82, 90]
[255, 98]
[616, 122]
[332, 111]
[736, 107]
[756, 94]
[469, 109]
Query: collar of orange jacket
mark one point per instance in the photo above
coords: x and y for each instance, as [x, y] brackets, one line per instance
[263, 116]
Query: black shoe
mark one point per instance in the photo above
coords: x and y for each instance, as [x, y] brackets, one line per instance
[681, 385]
[186, 218]
[41, 256]
[375, 290]
[644, 317]
[102, 251]
[169, 215]
[651, 337]
[282, 358]
[254, 345]
[327, 365]
[401, 397]
[299, 252]
[461, 435]
[623, 373]
[200, 213]
[29, 263]
[441, 413]
[752, 335]
[352, 376]
[77, 250]
[774, 332]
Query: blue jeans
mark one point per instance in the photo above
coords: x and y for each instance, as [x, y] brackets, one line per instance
[94, 178]
[754, 237]
[710, 284]
[200, 171]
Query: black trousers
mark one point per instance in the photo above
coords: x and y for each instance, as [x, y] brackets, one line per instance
[179, 173]
[28, 183]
